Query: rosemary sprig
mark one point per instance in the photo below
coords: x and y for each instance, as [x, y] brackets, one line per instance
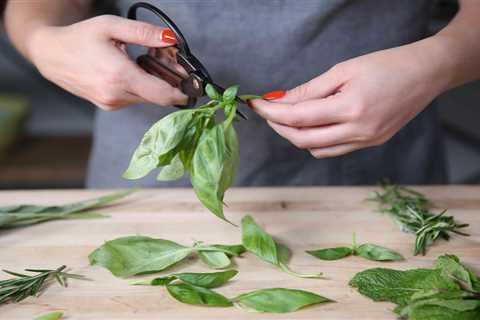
[411, 211]
[23, 285]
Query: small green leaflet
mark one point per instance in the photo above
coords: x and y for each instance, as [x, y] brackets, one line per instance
[260, 243]
[189, 294]
[367, 251]
[191, 141]
[204, 280]
[215, 259]
[51, 316]
[26, 214]
[442, 293]
[278, 300]
[134, 255]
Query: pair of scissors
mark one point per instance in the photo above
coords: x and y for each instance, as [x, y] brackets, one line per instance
[195, 80]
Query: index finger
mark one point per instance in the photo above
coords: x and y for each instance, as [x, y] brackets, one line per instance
[317, 112]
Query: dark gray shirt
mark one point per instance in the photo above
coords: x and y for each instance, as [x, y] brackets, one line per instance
[267, 45]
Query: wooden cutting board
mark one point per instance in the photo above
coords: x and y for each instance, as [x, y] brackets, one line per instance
[302, 218]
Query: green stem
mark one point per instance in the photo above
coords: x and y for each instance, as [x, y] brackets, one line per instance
[289, 271]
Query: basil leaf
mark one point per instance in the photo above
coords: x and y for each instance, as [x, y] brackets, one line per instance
[331, 253]
[51, 316]
[258, 242]
[278, 300]
[173, 171]
[204, 280]
[230, 94]
[234, 250]
[215, 259]
[207, 170]
[212, 93]
[377, 253]
[230, 162]
[128, 256]
[207, 280]
[186, 293]
[158, 141]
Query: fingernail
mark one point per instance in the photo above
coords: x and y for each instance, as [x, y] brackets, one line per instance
[168, 36]
[274, 95]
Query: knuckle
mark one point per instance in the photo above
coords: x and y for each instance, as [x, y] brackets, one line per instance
[316, 154]
[300, 91]
[144, 32]
[109, 98]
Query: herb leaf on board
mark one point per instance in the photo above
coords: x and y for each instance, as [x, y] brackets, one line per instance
[278, 300]
[377, 253]
[411, 211]
[194, 295]
[331, 253]
[56, 315]
[204, 280]
[261, 244]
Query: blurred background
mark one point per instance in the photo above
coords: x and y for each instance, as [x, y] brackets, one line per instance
[45, 133]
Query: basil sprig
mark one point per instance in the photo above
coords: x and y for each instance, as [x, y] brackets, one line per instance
[368, 251]
[133, 255]
[191, 141]
[261, 244]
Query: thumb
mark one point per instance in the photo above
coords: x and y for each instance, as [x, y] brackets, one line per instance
[320, 87]
[141, 33]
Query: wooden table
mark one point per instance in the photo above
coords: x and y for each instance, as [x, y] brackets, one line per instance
[303, 218]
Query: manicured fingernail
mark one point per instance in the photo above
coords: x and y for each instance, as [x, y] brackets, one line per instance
[274, 95]
[168, 36]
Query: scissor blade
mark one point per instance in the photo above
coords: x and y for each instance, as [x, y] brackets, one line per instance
[237, 98]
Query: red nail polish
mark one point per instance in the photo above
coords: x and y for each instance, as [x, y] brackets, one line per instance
[168, 36]
[274, 95]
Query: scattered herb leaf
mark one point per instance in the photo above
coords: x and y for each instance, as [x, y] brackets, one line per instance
[204, 280]
[56, 315]
[190, 294]
[411, 211]
[331, 253]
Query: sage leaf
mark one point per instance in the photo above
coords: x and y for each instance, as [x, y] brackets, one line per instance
[278, 300]
[207, 170]
[163, 137]
[215, 259]
[51, 316]
[212, 93]
[173, 171]
[204, 280]
[133, 255]
[189, 294]
[377, 253]
[331, 253]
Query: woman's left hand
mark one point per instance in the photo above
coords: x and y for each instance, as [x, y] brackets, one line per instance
[358, 103]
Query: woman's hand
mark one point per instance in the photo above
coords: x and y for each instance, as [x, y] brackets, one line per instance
[359, 103]
[88, 59]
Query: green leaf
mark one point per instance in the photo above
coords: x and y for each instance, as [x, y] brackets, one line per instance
[173, 171]
[231, 161]
[230, 94]
[246, 97]
[204, 280]
[186, 293]
[51, 316]
[207, 170]
[381, 284]
[234, 250]
[278, 300]
[212, 93]
[432, 312]
[331, 253]
[128, 256]
[215, 259]
[450, 266]
[377, 253]
[258, 242]
[163, 137]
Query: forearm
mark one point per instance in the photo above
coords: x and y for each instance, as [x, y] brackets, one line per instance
[24, 18]
[457, 47]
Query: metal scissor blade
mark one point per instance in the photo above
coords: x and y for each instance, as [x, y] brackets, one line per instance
[237, 98]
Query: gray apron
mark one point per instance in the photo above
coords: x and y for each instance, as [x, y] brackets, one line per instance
[268, 45]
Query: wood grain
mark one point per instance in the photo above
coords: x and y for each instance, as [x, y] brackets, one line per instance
[303, 218]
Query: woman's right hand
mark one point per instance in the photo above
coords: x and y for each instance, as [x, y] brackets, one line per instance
[88, 59]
